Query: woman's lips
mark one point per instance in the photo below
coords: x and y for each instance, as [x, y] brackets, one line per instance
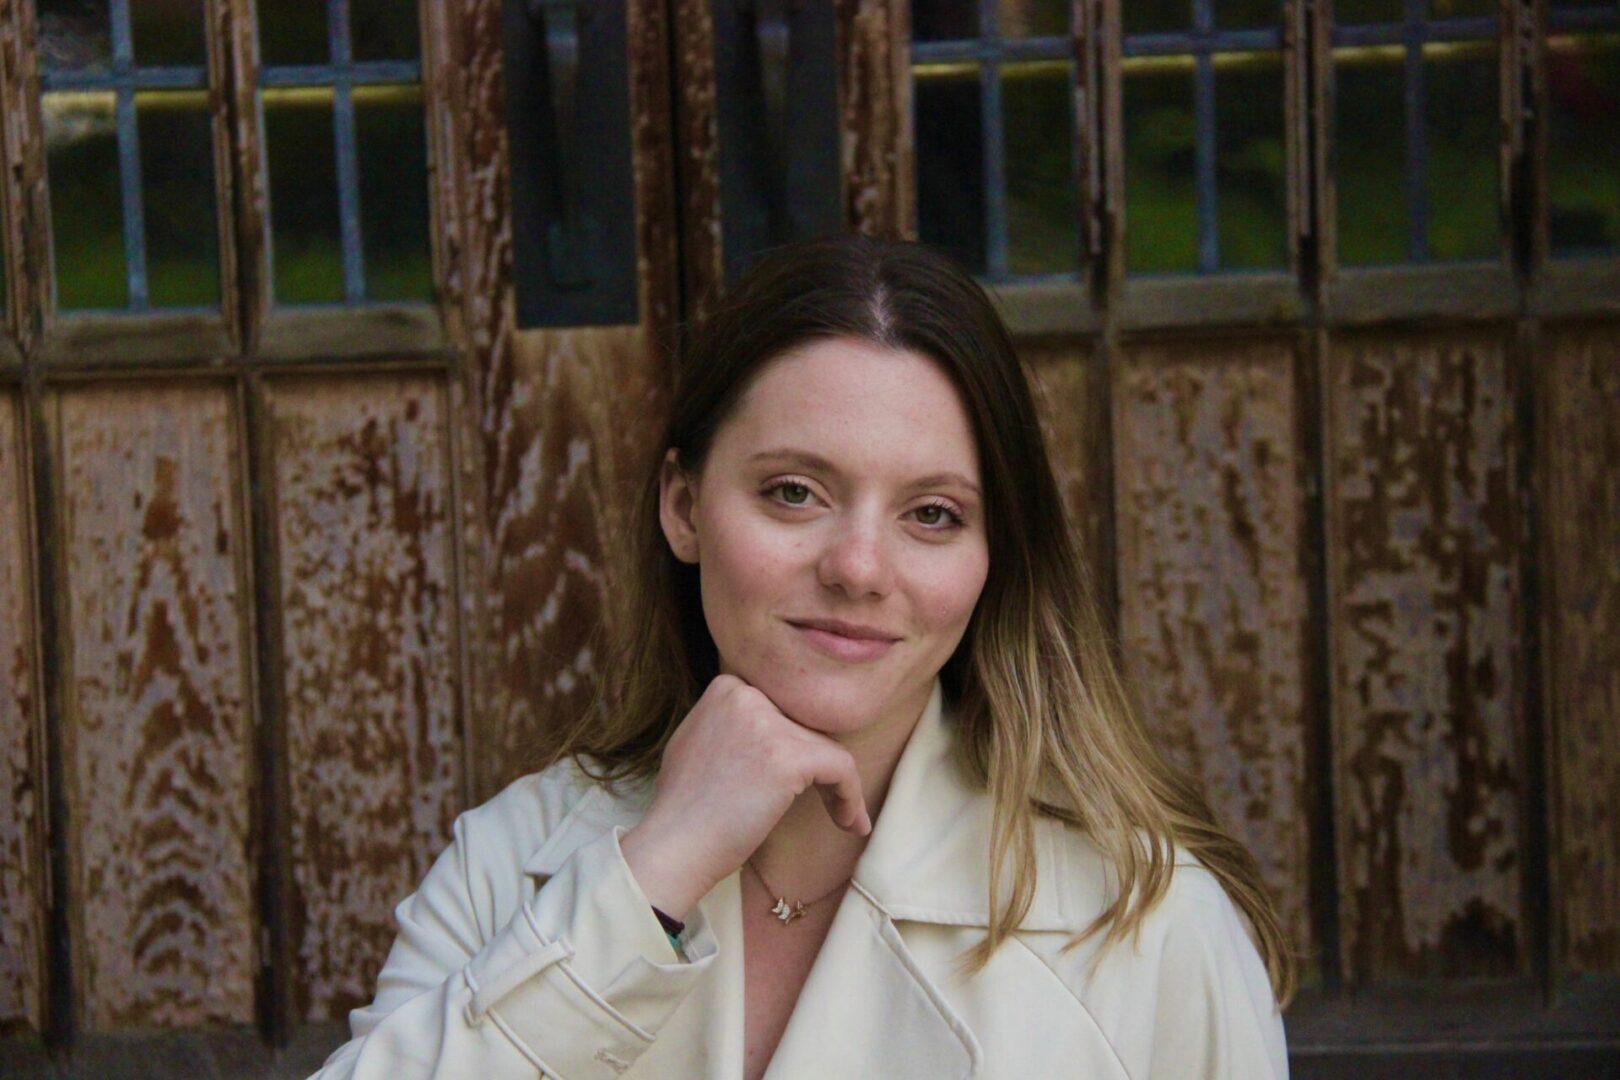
[840, 647]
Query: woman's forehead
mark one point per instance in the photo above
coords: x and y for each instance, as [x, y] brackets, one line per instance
[840, 399]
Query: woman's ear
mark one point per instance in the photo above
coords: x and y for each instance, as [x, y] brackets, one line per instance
[677, 499]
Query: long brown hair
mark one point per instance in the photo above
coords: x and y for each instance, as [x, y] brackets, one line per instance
[1045, 722]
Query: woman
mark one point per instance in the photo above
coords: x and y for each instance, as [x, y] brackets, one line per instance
[862, 794]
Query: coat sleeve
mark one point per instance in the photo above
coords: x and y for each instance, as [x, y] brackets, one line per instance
[576, 985]
[1216, 1016]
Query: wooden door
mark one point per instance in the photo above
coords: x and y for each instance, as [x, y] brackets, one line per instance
[293, 564]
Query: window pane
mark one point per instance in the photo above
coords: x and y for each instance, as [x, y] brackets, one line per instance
[1251, 209]
[1032, 18]
[81, 157]
[1161, 222]
[950, 172]
[303, 196]
[169, 33]
[177, 180]
[1156, 16]
[384, 29]
[1462, 189]
[1370, 151]
[393, 192]
[944, 20]
[1241, 14]
[1583, 153]
[294, 32]
[74, 35]
[1042, 232]
[1367, 11]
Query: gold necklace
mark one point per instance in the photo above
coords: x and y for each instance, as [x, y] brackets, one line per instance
[783, 910]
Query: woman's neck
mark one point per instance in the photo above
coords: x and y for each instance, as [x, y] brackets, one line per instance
[806, 854]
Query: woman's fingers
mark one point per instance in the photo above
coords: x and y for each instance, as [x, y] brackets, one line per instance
[839, 785]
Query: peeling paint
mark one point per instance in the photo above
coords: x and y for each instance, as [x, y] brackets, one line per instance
[157, 728]
[373, 737]
[1425, 594]
[1212, 600]
[1582, 516]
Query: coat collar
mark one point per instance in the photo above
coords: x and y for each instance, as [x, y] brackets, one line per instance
[927, 860]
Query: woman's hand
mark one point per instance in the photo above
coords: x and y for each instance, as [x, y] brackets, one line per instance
[731, 770]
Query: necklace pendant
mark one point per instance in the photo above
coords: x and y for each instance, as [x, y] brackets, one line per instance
[784, 912]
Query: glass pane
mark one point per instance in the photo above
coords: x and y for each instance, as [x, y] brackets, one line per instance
[168, 33]
[950, 172]
[1583, 155]
[1251, 209]
[87, 221]
[1032, 18]
[293, 32]
[177, 181]
[1239, 14]
[1042, 233]
[944, 20]
[74, 35]
[1461, 185]
[1370, 151]
[305, 246]
[393, 192]
[1157, 16]
[1461, 9]
[384, 29]
[1367, 11]
[1161, 218]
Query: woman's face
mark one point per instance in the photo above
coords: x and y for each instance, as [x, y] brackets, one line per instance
[843, 490]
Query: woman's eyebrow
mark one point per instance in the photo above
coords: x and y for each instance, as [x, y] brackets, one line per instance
[808, 460]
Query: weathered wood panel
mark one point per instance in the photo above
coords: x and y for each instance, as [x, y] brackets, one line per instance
[1063, 383]
[373, 738]
[21, 793]
[157, 731]
[697, 117]
[563, 417]
[1424, 595]
[1581, 605]
[1212, 601]
[874, 100]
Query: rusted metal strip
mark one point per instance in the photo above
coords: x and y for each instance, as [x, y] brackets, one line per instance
[247, 286]
[875, 117]
[275, 971]
[697, 134]
[29, 274]
[22, 810]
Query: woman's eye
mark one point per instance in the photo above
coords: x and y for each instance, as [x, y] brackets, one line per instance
[793, 494]
[936, 515]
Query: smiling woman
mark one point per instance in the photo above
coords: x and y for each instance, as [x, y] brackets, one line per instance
[864, 788]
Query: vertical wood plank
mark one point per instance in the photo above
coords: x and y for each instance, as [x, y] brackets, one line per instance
[1062, 378]
[1424, 550]
[874, 100]
[1212, 600]
[563, 418]
[157, 729]
[22, 901]
[697, 133]
[1582, 614]
[373, 735]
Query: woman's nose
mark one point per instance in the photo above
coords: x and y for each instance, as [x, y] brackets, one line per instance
[855, 560]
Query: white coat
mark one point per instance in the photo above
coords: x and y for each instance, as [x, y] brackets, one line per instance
[530, 948]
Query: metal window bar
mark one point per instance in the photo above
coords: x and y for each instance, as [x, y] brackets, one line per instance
[1203, 43]
[343, 74]
[124, 79]
[1412, 34]
[990, 52]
